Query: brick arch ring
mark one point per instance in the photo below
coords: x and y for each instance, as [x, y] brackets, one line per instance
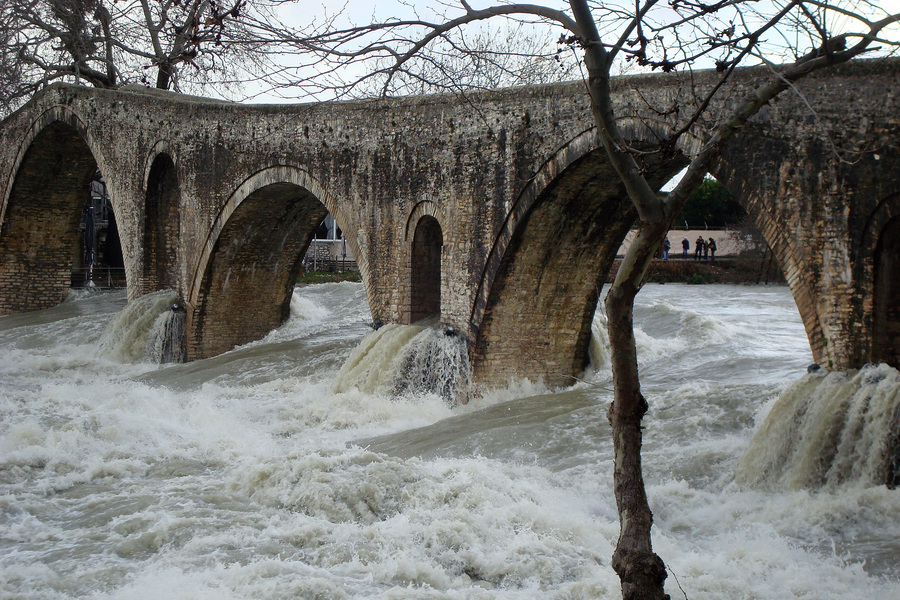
[423, 209]
[65, 115]
[159, 148]
[257, 181]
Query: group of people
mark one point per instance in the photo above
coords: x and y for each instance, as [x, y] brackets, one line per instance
[703, 249]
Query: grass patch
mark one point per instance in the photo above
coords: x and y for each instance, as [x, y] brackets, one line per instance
[328, 276]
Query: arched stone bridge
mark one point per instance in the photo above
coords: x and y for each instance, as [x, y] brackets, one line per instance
[498, 210]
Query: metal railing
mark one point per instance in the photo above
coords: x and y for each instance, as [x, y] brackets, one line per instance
[99, 277]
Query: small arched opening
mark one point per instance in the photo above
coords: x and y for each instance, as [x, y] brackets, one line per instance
[886, 322]
[425, 272]
[161, 226]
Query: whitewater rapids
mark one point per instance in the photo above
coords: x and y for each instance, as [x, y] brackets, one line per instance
[275, 471]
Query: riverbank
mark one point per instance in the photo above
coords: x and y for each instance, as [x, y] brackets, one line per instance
[732, 269]
[328, 276]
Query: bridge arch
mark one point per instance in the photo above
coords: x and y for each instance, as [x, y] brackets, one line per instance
[755, 188]
[42, 209]
[242, 284]
[162, 220]
[539, 289]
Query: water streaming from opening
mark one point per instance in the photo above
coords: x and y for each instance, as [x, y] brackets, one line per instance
[146, 330]
[423, 358]
[828, 429]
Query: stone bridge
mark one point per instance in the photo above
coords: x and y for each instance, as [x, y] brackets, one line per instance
[499, 210]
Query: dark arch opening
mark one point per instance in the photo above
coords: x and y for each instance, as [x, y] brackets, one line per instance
[99, 261]
[425, 275]
[161, 226]
[247, 285]
[886, 323]
[39, 239]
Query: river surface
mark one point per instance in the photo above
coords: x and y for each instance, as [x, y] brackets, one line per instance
[248, 476]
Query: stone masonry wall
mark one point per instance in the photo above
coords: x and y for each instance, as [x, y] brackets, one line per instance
[504, 175]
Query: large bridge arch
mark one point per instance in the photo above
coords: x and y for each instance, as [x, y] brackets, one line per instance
[539, 290]
[823, 219]
[42, 209]
[242, 284]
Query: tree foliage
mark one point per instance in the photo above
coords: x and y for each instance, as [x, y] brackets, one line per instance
[711, 205]
[482, 59]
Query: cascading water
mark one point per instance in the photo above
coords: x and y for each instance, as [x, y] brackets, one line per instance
[166, 339]
[244, 476]
[437, 363]
[829, 429]
[149, 329]
[408, 359]
[599, 348]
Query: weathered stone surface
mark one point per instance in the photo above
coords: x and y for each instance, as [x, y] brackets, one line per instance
[219, 200]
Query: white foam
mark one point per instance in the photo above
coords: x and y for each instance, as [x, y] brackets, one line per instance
[242, 488]
[133, 334]
[306, 309]
[407, 359]
[826, 429]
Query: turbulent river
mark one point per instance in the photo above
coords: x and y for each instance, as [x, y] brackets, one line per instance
[270, 472]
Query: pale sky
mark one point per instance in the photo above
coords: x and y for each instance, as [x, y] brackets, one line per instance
[359, 12]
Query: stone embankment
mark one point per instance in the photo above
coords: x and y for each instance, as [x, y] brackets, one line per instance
[756, 269]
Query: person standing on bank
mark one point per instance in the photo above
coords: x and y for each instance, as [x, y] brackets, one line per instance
[685, 246]
[667, 245]
[698, 248]
[711, 245]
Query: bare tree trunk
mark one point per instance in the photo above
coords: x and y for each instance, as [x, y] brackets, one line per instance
[641, 571]
[164, 76]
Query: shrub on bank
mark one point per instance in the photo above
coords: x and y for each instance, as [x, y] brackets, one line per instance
[328, 276]
[739, 269]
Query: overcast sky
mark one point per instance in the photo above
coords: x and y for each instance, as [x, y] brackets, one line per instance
[361, 12]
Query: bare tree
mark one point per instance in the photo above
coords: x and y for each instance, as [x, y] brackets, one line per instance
[484, 59]
[208, 46]
[790, 38]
